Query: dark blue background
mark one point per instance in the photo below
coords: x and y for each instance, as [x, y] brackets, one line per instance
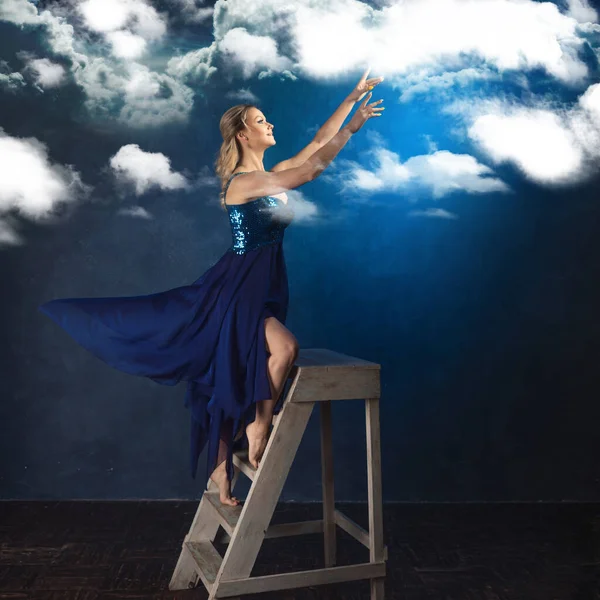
[486, 327]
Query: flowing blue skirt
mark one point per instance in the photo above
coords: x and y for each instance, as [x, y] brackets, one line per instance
[210, 333]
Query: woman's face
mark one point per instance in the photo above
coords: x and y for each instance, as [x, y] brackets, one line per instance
[258, 131]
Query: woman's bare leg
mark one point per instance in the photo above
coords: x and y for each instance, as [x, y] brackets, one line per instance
[283, 348]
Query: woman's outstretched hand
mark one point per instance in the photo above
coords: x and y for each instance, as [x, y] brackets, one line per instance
[363, 112]
[363, 86]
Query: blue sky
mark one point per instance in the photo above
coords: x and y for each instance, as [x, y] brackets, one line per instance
[479, 96]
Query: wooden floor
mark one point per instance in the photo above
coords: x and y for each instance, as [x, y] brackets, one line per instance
[127, 550]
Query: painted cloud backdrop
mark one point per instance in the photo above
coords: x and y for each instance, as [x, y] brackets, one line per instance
[454, 240]
[506, 83]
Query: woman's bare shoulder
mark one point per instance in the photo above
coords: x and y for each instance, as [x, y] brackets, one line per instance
[261, 184]
[235, 192]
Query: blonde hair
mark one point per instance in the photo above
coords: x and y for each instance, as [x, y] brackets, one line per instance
[230, 154]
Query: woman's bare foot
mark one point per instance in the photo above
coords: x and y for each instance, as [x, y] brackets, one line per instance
[258, 435]
[219, 476]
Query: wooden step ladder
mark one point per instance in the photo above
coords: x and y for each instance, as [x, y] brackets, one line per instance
[318, 376]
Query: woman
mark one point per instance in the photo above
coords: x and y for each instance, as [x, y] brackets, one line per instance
[216, 333]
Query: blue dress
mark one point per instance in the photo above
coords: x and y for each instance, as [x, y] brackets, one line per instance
[210, 333]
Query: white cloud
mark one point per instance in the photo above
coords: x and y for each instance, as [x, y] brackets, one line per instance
[8, 232]
[243, 95]
[534, 140]
[126, 44]
[19, 12]
[133, 94]
[446, 172]
[145, 170]
[123, 21]
[305, 211]
[328, 40]
[104, 15]
[333, 38]
[126, 24]
[437, 213]
[584, 120]
[48, 74]
[138, 212]
[283, 75]
[154, 99]
[30, 182]
[252, 52]
[12, 81]
[126, 91]
[61, 37]
[418, 83]
[141, 84]
[192, 11]
[195, 65]
[581, 11]
[440, 173]
[549, 144]
[103, 85]
[400, 40]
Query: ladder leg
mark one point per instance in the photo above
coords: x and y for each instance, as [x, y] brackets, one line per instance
[204, 527]
[184, 577]
[266, 488]
[376, 550]
[327, 484]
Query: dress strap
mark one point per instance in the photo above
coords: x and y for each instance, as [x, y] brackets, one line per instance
[229, 181]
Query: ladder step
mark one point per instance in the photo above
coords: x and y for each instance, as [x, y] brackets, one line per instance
[227, 515]
[240, 460]
[207, 561]
[300, 579]
[282, 530]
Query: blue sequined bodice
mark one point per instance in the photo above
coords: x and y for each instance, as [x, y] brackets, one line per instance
[258, 222]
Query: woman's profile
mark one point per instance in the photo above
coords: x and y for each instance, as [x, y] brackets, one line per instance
[225, 333]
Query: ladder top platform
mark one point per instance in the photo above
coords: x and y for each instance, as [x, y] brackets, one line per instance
[321, 375]
[322, 357]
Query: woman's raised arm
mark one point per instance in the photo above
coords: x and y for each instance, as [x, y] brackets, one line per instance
[265, 183]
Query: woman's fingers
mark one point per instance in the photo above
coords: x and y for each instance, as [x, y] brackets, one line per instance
[376, 110]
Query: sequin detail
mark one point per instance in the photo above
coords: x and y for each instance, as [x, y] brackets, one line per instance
[257, 223]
